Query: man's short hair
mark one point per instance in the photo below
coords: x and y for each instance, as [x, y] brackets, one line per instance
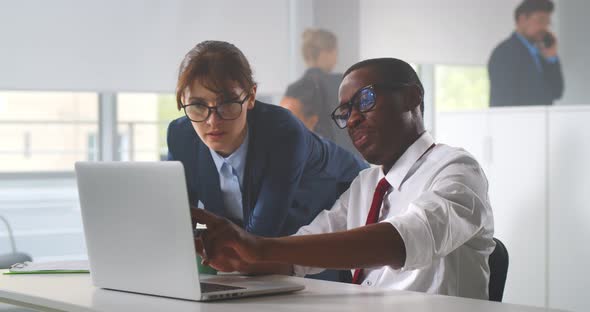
[530, 6]
[393, 71]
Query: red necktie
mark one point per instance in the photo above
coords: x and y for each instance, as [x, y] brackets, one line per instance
[373, 216]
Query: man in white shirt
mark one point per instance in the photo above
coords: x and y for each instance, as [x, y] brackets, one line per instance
[419, 221]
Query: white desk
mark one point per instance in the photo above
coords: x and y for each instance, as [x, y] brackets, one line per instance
[74, 292]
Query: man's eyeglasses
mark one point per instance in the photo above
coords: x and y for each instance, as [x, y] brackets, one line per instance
[230, 110]
[363, 100]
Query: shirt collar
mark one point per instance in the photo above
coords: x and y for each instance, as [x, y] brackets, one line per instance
[402, 166]
[313, 71]
[236, 160]
[531, 47]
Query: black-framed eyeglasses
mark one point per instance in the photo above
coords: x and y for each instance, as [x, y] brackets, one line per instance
[363, 100]
[229, 110]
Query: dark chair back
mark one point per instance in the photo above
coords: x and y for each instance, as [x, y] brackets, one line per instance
[7, 260]
[498, 262]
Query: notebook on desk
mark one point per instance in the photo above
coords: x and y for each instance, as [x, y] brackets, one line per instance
[49, 267]
[139, 234]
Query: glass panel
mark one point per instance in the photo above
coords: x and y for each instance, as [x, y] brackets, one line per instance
[46, 131]
[461, 87]
[143, 120]
[42, 133]
[44, 214]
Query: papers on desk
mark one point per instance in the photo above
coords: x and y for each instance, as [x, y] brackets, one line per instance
[53, 267]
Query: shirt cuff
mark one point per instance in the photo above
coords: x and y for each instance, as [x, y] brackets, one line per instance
[301, 271]
[417, 237]
[552, 59]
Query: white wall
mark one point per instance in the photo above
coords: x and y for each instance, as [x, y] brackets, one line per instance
[341, 17]
[434, 32]
[300, 17]
[516, 176]
[535, 159]
[134, 45]
[569, 199]
[574, 49]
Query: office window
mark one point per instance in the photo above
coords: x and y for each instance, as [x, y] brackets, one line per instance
[142, 124]
[46, 131]
[42, 134]
[461, 87]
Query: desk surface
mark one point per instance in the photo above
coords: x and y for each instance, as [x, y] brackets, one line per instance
[74, 292]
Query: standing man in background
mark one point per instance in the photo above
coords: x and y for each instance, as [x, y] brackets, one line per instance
[525, 69]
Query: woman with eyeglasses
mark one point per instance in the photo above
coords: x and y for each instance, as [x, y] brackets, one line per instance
[251, 162]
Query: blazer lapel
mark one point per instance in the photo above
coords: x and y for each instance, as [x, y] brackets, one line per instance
[255, 167]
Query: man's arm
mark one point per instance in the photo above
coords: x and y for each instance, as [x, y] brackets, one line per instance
[553, 77]
[227, 247]
[368, 246]
[450, 213]
[552, 68]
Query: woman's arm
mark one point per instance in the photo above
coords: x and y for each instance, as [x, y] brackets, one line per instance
[328, 159]
[287, 158]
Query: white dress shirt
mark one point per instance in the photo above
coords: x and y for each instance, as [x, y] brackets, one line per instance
[231, 179]
[439, 204]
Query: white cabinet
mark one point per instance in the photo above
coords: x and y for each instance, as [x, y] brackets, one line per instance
[517, 176]
[537, 160]
[569, 213]
[510, 145]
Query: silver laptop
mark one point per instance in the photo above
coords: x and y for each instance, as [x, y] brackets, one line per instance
[139, 235]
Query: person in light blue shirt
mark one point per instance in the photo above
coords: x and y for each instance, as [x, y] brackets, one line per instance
[253, 163]
[525, 69]
[231, 179]
[536, 53]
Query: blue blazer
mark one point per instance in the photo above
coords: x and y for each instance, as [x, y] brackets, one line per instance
[291, 174]
[515, 80]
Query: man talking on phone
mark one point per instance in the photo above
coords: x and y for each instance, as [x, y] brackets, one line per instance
[525, 69]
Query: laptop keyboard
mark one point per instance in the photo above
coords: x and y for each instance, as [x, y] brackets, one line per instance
[209, 287]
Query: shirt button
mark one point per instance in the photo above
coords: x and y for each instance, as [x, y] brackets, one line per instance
[369, 283]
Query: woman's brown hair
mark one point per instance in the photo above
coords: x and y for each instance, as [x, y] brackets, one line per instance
[217, 65]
